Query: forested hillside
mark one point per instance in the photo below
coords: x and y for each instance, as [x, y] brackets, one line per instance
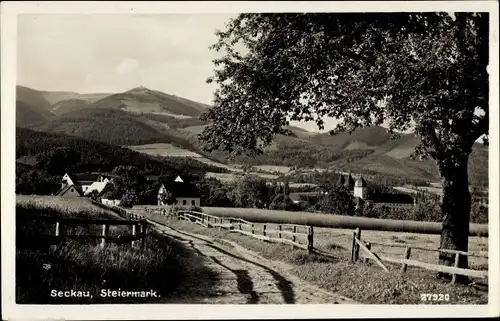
[60, 153]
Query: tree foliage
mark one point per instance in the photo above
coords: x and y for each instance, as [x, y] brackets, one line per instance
[338, 200]
[168, 198]
[251, 191]
[361, 68]
[420, 71]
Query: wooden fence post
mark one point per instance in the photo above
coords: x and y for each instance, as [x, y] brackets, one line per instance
[404, 266]
[264, 230]
[369, 247]
[105, 230]
[280, 229]
[133, 234]
[59, 232]
[310, 239]
[454, 276]
[252, 229]
[356, 248]
[58, 229]
[294, 231]
[354, 235]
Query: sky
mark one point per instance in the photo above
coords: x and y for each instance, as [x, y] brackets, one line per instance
[114, 53]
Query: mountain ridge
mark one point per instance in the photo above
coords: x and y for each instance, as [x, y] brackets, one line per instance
[144, 116]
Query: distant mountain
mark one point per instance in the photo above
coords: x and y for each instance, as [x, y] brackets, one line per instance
[31, 106]
[54, 97]
[27, 114]
[33, 98]
[361, 138]
[144, 116]
[112, 126]
[136, 100]
[143, 100]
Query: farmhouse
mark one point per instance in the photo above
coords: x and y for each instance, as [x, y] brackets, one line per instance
[81, 184]
[70, 187]
[185, 193]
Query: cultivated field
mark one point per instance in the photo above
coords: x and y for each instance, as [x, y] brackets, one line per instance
[88, 267]
[77, 207]
[164, 149]
[272, 168]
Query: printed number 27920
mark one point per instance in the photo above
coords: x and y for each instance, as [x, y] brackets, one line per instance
[434, 297]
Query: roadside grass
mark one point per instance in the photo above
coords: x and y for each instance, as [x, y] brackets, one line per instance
[364, 282]
[158, 263]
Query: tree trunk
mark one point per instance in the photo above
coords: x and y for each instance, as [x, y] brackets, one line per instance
[455, 208]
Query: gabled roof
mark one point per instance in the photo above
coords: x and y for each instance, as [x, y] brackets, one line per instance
[182, 189]
[98, 186]
[172, 179]
[66, 188]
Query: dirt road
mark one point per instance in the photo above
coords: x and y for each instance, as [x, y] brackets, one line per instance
[245, 277]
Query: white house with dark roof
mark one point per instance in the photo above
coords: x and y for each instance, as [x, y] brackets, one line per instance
[83, 187]
[185, 192]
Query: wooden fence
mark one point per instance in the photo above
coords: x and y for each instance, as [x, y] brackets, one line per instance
[358, 244]
[299, 236]
[138, 229]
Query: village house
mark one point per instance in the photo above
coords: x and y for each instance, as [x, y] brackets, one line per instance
[70, 186]
[186, 193]
[82, 185]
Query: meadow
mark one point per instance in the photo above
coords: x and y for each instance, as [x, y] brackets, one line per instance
[157, 264]
[366, 283]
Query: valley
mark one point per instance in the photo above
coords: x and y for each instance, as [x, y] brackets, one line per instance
[158, 124]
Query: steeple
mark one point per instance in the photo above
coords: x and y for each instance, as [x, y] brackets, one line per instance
[349, 182]
[341, 180]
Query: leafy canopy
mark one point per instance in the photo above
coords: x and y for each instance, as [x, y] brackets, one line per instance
[425, 71]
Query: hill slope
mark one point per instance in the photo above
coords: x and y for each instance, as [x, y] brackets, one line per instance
[143, 100]
[107, 125]
[82, 155]
[27, 114]
[143, 116]
[31, 106]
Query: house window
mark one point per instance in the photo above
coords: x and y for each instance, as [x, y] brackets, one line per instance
[193, 202]
[184, 202]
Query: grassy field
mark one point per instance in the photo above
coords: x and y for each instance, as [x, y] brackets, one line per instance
[272, 168]
[164, 149]
[364, 282]
[158, 264]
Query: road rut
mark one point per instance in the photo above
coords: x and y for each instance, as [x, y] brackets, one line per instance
[243, 277]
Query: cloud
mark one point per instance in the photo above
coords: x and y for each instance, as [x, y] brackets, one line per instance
[127, 65]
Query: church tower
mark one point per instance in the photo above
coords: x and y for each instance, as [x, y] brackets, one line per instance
[360, 188]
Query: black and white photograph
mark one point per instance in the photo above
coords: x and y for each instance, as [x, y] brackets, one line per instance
[310, 158]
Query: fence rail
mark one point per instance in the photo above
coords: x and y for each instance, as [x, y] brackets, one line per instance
[358, 244]
[138, 229]
[270, 232]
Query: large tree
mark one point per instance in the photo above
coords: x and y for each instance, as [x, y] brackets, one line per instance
[420, 71]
